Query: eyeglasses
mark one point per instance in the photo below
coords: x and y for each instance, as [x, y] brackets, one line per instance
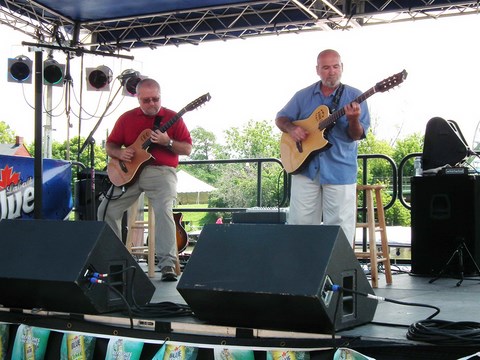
[151, 99]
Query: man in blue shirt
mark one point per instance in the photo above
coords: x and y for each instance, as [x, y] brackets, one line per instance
[325, 188]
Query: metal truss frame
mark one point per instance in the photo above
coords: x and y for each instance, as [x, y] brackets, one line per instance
[230, 21]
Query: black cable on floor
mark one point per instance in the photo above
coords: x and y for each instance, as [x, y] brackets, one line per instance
[162, 310]
[150, 310]
[445, 332]
[379, 298]
[158, 310]
[430, 330]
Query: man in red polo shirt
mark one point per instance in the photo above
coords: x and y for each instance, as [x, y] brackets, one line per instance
[157, 179]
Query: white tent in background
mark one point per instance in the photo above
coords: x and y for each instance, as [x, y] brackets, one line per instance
[191, 190]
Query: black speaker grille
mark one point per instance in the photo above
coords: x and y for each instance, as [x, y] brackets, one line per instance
[275, 276]
[445, 213]
[43, 263]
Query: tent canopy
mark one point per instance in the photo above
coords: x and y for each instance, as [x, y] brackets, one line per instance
[114, 25]
[191, 190]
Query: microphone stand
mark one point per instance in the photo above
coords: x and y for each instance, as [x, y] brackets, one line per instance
[91, 141]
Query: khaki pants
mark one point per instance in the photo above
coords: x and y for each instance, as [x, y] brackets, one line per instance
[160, 185]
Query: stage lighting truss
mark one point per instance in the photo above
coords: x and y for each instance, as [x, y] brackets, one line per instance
[129, 79]
[53, 73]
[20, 70]
[99, 78]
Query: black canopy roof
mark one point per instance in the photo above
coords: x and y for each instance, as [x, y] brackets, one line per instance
[115, 25]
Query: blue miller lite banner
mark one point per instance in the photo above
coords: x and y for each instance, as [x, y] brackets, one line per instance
[17, 193]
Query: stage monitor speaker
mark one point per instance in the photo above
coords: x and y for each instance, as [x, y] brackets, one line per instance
[274, 276]
[445, 213]
[46, 264]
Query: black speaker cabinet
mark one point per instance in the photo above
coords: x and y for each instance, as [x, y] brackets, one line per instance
[45, 264]
[86, 205]
[445, 214]
[274, 276]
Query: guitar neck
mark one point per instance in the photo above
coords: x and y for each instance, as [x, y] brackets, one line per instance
[339, 113]
[164, 127]
[191, 106]
[173, 120]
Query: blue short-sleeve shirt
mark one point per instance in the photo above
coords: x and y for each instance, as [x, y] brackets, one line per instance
[338, 164]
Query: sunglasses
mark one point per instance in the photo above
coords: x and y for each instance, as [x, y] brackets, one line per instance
[151, 99]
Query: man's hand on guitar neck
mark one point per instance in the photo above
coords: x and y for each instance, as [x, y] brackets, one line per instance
[160, 138]
[352, 112]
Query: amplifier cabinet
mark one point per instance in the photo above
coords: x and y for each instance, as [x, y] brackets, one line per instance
[445, 213]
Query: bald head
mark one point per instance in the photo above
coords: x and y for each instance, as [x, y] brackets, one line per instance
[329, 68]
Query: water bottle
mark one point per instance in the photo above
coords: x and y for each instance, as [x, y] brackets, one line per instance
[417, 166]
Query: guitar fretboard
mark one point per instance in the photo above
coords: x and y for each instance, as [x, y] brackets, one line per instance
[339, 113]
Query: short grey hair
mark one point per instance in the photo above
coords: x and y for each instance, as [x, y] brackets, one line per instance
[148, 83]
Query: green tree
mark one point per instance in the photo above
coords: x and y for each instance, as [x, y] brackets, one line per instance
[7, 135]
[59, 151]
[205, 147]
[397, 215]
[256, 139]
[409, 145]
[379, 170]
[237, 183]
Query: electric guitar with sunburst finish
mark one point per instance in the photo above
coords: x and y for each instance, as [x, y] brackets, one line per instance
[295, 155]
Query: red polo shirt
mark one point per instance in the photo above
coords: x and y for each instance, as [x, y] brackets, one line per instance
[131, 124]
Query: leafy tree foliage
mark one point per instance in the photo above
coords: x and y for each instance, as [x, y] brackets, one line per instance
[205, 147]
[379, 170]
[7, 135]
[59, 151]
[256, 139]
[409, 145]
[397, 215]
[237, 183]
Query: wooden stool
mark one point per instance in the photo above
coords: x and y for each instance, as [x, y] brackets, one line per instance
[136, 222]
[376, 256]
[135, 242]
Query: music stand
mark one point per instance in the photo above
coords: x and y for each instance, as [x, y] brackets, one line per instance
[461, 265]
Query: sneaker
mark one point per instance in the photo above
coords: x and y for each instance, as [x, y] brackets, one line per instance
[168, 273]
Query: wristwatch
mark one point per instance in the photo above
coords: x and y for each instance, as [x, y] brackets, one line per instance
[170, 144]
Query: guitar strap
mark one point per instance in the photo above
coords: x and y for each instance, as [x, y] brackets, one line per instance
[156, 124]
[333, 107]
[336, 99]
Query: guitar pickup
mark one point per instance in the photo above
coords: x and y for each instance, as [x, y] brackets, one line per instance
[299, 146]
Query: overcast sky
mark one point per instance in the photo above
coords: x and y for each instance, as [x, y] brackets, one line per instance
[252, 79]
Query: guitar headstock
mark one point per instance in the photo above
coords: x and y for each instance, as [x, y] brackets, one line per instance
[391, 82]
[198, 102]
